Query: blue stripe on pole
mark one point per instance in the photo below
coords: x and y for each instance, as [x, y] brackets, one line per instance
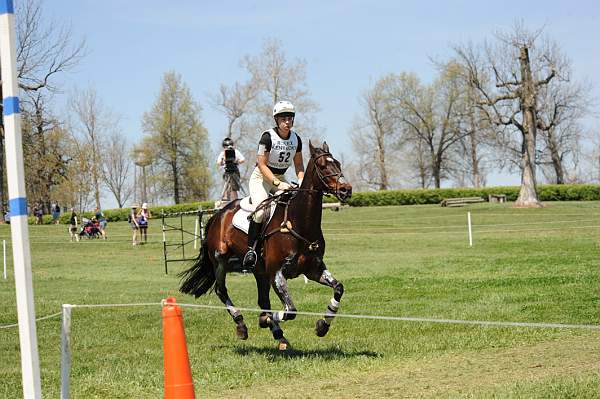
[18, 206]
[6, 7]
[11, 106]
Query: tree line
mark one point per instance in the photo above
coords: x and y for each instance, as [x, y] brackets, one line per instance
[507, 104]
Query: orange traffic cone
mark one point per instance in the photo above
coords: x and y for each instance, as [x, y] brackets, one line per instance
[178, 374]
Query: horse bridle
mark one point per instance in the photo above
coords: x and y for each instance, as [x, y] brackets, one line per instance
[323, 176]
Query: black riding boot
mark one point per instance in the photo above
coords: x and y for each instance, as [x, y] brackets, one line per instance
[250, 257]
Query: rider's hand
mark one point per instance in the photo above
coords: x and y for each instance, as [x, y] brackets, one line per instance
[283, 186]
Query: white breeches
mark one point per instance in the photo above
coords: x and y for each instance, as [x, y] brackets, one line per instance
[259, 191]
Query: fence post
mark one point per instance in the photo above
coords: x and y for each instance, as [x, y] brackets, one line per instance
[470, 231]
[65, 358]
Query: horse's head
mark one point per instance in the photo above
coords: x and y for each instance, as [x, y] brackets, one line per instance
[329, 172]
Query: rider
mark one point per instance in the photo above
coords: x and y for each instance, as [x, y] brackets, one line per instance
[277, 148]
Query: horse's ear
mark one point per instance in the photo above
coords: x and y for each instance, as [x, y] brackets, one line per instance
[311, 148]
[325, 147]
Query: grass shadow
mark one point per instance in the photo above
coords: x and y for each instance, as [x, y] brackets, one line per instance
[330, 353]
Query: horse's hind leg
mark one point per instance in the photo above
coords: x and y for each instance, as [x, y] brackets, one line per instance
[241, 331]
[280, 287]
[266, 317]
[326, 278]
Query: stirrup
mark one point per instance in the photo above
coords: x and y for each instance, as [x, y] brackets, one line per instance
[249, 261]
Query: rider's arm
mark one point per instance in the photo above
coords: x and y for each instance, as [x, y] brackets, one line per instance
[299, 165]
[264, 169]
[262, 157]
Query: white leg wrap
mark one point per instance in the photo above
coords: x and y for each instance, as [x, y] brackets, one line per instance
[278, 317]
[332, 309]
[233, 311]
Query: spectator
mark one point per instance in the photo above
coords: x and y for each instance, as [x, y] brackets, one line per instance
[135, 227]
[102, 222]
[55, 210]
[37, 214]
[73, 226]
[142, 218]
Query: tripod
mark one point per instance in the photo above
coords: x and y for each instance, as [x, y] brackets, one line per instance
[231, 186]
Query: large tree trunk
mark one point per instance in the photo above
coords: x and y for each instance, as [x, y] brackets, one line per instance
[476, 176]
[472, 137]
[527, 194]
[175, 183]
[383, 178]
[555, 156]
[436, 170]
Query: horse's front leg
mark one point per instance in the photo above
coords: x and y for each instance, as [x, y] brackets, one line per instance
[241, 331]
[326, 278]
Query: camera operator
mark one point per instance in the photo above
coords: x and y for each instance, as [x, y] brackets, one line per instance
[228, 160]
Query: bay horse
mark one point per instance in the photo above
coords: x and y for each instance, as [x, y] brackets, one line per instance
[292, 245]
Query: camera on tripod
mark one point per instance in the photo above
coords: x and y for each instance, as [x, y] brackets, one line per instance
[230, 163]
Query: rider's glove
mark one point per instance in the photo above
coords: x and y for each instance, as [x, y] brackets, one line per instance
[283, 186]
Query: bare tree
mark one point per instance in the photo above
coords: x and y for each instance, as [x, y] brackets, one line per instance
[44, 50]
[468, 157]
[375, 135]
[235, 102]
[431, 115]
[512, 101]
[116, 168]
[94, 122]
[562, 106]
[275, 78]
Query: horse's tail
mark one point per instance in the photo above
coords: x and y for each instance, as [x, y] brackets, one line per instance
[199, 278]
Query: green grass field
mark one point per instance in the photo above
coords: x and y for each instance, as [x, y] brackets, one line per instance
[526, 265]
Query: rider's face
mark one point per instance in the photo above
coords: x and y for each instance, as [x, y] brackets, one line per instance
[285, 122]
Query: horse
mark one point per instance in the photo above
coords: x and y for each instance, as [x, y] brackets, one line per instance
[292, 244]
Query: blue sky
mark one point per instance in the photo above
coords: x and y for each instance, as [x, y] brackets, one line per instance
[346, 45]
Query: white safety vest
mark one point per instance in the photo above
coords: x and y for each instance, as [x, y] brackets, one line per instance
[282, 151]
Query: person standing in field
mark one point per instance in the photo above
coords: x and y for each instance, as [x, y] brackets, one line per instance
[142, 218]
[55, 209]
[135, 227]
[102, 221]
[73, 226]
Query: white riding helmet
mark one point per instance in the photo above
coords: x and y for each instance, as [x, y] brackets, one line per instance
[283, 107]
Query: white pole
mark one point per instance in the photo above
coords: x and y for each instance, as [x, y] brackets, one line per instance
[4, 256]
[30, 363]
[65, 352]
[470, 231]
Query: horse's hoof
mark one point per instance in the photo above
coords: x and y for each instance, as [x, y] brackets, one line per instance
[284, 345]
[321, 328]
[241, 331]
[264, 321]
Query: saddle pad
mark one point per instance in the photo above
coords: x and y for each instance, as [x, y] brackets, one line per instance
[240, 219]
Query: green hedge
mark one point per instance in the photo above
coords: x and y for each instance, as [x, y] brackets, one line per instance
[551, 192]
